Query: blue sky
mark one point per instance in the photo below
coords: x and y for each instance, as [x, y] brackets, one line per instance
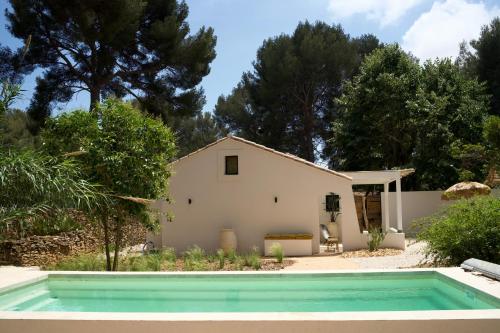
[427, 28]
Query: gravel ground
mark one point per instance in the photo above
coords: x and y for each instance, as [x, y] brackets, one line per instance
[412, 256]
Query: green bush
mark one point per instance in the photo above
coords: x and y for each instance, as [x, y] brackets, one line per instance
[469, 228]
[277, 252]
[375, 238]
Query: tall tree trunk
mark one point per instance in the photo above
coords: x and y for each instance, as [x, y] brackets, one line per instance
[95, 97]
[118, 238]
[105, 225]
[308, 147]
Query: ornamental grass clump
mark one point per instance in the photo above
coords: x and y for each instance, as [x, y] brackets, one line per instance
[221, 258]
[253, 260]
[469, 228]
[277, 252]
[194, 259]
[84, 262]
[375, 238]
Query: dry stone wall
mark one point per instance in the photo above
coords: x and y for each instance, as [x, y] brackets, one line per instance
[46, 250]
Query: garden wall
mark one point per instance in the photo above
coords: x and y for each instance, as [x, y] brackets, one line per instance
[46, 250]
[415, 204]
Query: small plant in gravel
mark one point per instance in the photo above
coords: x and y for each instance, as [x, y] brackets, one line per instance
[375, 238]
[221, 258]
[239, 263]
[231, 256]
[253, 259]
[277, 252]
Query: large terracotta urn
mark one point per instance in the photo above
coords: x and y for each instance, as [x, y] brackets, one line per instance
[227, 240]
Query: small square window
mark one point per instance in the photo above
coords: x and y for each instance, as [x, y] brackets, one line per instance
[231, 165]
[332, 203]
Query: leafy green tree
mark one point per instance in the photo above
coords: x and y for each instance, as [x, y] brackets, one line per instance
[140, 48]
[193, 133]
[124, 151]
[450, 111]
[286, 102]
[487, 64]
[376, 126]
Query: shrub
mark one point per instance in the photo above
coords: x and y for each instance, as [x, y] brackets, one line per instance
[221, 258]
[469, 228]
[375, 238]
[277, 252]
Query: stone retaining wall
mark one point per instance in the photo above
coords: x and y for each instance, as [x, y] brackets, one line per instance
[46, 250]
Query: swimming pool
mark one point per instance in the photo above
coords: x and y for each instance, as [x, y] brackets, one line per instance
[326, 292]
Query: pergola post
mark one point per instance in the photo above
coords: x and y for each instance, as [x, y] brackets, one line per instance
[399, 209]
[387, 224]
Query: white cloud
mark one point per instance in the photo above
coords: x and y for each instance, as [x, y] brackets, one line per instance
[383, 11]
[438, 32]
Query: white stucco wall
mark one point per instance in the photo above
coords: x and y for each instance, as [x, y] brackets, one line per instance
[246, 202]
[415, 204]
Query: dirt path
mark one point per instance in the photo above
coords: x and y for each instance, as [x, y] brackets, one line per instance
[412, 256]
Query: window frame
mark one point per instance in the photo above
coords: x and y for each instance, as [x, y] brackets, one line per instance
[335, 202]
[227, 158]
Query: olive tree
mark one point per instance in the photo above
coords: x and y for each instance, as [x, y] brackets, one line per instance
[125, 151]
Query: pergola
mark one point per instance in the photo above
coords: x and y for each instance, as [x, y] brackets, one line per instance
[384, 177]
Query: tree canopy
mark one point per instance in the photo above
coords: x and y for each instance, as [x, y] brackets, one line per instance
[114, 48]
[486, 61]
[374, 128]
[396, 114]
[286, 102]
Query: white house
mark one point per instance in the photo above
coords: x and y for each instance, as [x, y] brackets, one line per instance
[235, 183]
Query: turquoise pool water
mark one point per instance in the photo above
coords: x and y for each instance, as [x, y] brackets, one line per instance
[402, 291]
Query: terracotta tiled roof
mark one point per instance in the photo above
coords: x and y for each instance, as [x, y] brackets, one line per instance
[285, 155]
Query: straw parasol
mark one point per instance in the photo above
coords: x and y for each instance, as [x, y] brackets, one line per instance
[465, 190]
